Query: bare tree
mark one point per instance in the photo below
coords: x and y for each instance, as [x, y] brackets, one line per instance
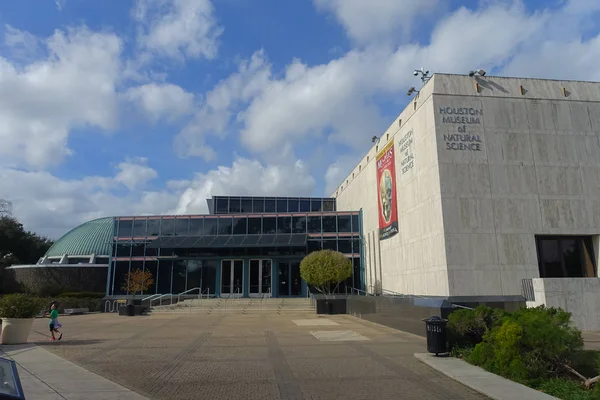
[5, 208]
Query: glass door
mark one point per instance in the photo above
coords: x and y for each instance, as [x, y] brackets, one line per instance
[232, 275]
[260, 277]
[290, 282]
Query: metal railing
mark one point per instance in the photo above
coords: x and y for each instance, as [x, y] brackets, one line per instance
[190, 290]
[527, 289]
[161, 297]
[111, 306]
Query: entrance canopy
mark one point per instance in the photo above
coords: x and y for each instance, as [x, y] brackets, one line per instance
[233, 241]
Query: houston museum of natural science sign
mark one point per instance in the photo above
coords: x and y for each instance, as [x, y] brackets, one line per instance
[464, 119]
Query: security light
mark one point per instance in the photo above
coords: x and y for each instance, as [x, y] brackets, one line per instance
[411, 91]
[478, 72]
[374, 139]
[424, 74]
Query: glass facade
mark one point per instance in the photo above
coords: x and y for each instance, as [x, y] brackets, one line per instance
[220, 254]
[248, 205]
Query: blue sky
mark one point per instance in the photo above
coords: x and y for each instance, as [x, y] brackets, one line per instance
[150, 106]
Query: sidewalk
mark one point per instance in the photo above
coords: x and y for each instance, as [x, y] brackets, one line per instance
[45, 376]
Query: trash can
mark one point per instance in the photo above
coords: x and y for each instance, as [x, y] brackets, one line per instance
[130, 310]
[436, 335]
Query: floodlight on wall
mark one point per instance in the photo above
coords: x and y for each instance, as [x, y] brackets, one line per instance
[477, 72]
[411, 91]
[374, 139]
[424, 74]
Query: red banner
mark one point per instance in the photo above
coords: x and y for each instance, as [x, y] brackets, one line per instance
[386, 192]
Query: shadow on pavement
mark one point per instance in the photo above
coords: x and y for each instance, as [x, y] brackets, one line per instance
[68, 342]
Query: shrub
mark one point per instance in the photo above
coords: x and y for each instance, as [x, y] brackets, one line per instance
[467, 327]
[530, 345]
[83, 295]
[325, 269]
[567, 389]
[94, 304]
[19, 305]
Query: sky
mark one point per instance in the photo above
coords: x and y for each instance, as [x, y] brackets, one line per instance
[151, 106]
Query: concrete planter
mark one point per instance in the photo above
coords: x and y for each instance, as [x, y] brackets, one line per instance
[15, 330]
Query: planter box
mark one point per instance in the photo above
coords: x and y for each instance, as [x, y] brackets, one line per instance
[331, 306]
[15, 330]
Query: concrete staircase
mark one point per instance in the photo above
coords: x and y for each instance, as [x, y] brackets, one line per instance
[238, 306]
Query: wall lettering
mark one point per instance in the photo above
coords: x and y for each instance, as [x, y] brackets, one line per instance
[464, 116]
[405, 147]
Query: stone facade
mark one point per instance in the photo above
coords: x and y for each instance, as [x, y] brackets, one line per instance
[40, 278]
[491, 162]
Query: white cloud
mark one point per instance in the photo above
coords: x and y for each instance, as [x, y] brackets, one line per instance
[158, 101]
[214, 116]
[135, 173]
[42, 101]
[337, 172]
[246, 177]
[178, 28]
[49, 205]
[377, 20]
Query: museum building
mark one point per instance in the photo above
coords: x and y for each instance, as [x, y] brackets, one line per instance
[245, 246]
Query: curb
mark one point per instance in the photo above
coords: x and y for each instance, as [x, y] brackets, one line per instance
[491, 385]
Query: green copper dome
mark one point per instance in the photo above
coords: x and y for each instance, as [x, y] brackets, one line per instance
[92, 237]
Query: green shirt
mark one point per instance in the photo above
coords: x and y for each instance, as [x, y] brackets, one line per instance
[53, 315]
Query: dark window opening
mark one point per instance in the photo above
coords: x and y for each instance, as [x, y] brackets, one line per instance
[139, 228]
[344, 223]
[269, 225]
[258, 205]
[270, 206]
[315, 205]
[125, 228]
[239, 226]
[565, 257]
[153, 227]
[314, 224]
[254, 226]
[304, 205]
[196, 226]
[182, 226]
[284, 225]
[225, 226]
[234, 205]
[167, 227]
[222, 205]
[329, 224]
[293, 205]
[282, 206]
[298, 224]
[246, 205]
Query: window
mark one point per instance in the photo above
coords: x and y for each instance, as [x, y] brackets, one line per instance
[196, 226]
[345, 245]
[314, 245]
[240, 226]
[123, 250]
[304, 205]
[163, 278]
[344, 223]
[125, 228]
[356, 246]
[222, 206]
[225, 226]
[284, 224]
[299, 224]
[329, 205]
[151, 252]
[137, 249]
[121, 270]
[153, 227]
[254, 226]
[101, 260]
[269, 225]
[234, 205]
[282, 205]
[293, 205]
[270, 206]
[355, 223]
[314, 224]
[182, 226]
[315, 205]
[167, 227]
[565, 257]
[329, 224]
[210, 226]
[246, 205]
[139, 228]
[330, 244]
[258, 205]
[151, 266]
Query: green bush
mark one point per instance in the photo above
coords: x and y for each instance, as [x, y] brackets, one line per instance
[19, 305]
[83, 295]
[325, 269]
[467, 327]
[94, 304]
[531, 345]
[568, 389]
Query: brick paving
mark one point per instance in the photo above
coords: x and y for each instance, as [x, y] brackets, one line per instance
[250, 357]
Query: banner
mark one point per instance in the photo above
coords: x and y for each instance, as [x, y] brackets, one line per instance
[386, 192]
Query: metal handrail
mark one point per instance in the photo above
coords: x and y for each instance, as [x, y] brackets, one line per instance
[359, 291]
[189, 290]
[161, 297]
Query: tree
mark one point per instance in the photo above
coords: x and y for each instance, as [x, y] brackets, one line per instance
[137, 281]
[325, 269]
[18, 246]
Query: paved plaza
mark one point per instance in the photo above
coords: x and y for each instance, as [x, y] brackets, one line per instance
[291, 356]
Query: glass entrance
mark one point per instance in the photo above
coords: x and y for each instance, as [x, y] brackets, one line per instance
[290, 282]
[232, 276]
[260, 277]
